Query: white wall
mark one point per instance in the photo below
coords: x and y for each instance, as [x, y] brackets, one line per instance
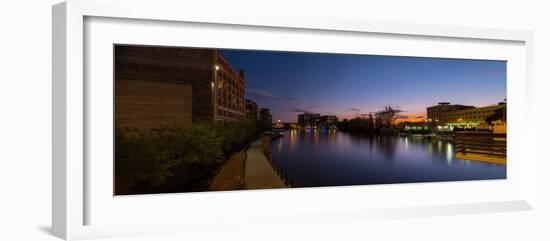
[25, 119]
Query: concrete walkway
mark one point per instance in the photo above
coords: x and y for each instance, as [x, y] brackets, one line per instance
[258, 172]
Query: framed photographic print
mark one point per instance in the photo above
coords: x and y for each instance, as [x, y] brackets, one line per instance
[178, 120]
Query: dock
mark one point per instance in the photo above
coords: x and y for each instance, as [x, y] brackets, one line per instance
[481, 146]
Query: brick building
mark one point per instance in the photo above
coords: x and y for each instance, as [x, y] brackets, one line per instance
[165, 85]
[266, 117]
[251, 109]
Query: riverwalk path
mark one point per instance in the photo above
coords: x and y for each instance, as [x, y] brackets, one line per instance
[258, 172]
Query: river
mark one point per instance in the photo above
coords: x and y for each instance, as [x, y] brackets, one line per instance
[333, 158]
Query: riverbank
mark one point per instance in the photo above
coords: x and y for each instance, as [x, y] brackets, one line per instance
[318, 159]
[231, 175]
[258, 172]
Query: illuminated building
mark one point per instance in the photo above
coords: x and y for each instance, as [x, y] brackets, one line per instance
[315, 120]
[437, 112]
[414, 126]
[474, 116]
[309, 120]
[329, 121]
[229, 86]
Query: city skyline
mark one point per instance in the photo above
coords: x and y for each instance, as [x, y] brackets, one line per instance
[291, 83]
[182, 122]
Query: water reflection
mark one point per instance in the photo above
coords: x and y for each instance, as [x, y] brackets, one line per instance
[328, 158]
[450, 153]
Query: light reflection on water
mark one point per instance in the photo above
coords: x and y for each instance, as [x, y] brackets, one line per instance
[330, 158]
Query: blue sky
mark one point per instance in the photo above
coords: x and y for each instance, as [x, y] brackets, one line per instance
[290, 83]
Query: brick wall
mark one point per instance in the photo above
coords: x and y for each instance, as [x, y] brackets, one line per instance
[148, 104]
[175, 83]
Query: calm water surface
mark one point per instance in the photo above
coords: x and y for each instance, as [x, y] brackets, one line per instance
[333, 158]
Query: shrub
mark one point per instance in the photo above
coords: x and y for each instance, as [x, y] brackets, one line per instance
[179, 157]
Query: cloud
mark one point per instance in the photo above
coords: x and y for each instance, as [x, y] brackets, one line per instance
[354, 109]
[300, 110]
[292, 99]
[408, 117]
[295, 103]
[261, 94]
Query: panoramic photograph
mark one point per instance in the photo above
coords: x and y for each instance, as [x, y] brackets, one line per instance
[204, 119]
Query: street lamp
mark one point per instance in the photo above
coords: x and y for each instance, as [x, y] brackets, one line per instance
[214, 92]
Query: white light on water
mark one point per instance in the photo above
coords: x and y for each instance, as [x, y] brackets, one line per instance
[449, 153]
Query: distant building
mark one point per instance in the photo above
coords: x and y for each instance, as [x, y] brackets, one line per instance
[165, 85]
[329, 120]
[436, 113]
[251, 109]
[474, 116]
[265, 116]
[309, 120]
[315, 120]
[410, 126]
[279, 125]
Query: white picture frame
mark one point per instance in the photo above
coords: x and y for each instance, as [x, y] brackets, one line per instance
[72, 191]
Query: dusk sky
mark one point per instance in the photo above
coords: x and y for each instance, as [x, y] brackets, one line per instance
[290, 83]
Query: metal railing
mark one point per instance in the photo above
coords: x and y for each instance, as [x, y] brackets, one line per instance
[481, 142]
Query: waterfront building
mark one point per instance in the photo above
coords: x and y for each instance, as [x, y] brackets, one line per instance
[312, 120]
[279, 124]
[437, 112]
[472, 117]
[446, 116]
[165, 85]
[266, 117]
[410, 126]
[251, 109]
[315, 120]
[329, 121]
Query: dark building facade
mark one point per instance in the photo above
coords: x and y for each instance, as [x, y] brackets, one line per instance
[309, 120]
[251, 109]
[329, 120]
[316, 120]
[265, 116]
[165, 85]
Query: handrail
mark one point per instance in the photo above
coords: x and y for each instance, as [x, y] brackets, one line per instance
[481, 142]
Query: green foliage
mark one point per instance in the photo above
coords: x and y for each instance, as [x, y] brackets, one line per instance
[198, 143]
[138, 158]
[177, 158]
[238, 134]
[231, 175]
